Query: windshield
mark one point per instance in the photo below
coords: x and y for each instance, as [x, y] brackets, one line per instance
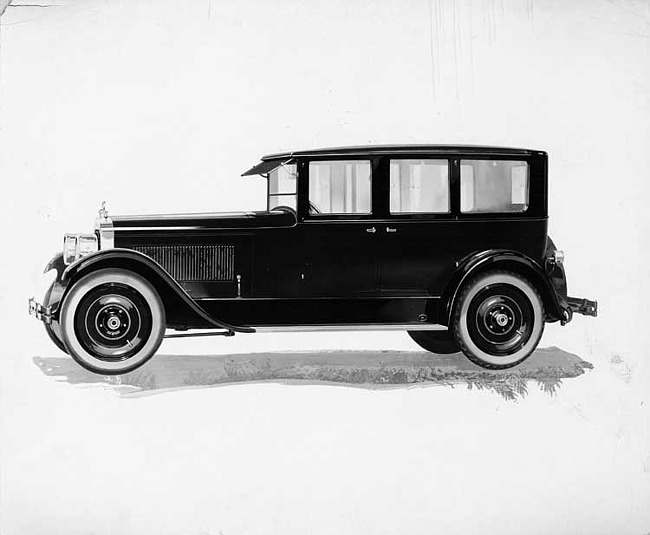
[282, 187]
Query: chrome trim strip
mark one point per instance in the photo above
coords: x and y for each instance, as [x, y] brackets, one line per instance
[360, 327]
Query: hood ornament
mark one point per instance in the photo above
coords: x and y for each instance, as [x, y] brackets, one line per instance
[103, 213]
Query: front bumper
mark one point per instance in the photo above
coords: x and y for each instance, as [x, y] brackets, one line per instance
[39, 311]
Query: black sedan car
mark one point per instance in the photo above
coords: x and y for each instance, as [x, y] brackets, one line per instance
[448, 243]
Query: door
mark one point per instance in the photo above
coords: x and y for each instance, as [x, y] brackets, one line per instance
[340, 258]
[339, 237]
[418, 242]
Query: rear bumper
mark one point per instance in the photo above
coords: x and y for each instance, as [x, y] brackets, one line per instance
[39, 311]
[578, 305]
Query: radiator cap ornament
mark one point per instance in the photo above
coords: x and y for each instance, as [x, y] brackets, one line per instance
[103, 213]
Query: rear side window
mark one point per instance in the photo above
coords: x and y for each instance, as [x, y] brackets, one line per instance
[340, 187]
[419, 186]
[493, 186]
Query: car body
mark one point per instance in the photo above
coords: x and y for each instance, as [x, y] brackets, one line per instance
[449, 243]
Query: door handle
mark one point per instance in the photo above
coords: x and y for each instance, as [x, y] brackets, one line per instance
[391, 230]
[372, 230]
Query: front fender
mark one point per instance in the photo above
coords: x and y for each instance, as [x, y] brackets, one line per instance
[152, 271]
[57, 264]
[508, 260]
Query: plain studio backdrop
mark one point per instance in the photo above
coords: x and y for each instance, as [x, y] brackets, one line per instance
[159, 107]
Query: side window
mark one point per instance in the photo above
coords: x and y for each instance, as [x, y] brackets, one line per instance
[493, 186]
[340, 187]
[419, 186]
[282, 186]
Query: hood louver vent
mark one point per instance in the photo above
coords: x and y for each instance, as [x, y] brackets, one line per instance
[192, 263]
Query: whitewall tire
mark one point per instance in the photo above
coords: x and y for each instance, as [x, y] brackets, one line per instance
[498, 319]
[112, 321]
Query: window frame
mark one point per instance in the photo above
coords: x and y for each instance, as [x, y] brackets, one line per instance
[380, 184]
[421, 158]
[283, 194]
[304, 181]
[458, 162]
[537, 188]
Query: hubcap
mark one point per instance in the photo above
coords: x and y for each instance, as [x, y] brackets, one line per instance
[113, 320]
[499, 318]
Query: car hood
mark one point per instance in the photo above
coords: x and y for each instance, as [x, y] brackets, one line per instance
[207, 221]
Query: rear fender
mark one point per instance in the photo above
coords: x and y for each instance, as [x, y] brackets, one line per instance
[182, 311]
[504, 260]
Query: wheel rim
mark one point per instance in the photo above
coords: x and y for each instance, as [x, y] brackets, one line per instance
[500, 319]
[113, 322]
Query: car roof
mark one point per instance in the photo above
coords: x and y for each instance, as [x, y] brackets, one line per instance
[372, 150]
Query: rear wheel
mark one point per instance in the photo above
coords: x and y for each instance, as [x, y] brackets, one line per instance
[439, 342]
[498, 319]
[112, 321]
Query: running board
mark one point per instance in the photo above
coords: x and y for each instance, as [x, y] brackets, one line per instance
[316, 328]
[362, 327]
[204, 333]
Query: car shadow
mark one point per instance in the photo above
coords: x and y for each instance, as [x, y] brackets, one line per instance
[546, 369]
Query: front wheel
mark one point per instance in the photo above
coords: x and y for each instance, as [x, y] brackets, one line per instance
[112, 321]
[498, 319]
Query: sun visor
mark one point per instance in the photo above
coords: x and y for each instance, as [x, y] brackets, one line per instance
[265, 167]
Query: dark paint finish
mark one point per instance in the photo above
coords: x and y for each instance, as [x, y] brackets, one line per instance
[340, 311]
[198, 223]
[377, 268]
[509, 260]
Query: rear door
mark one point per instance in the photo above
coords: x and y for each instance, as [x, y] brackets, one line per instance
[419, 240]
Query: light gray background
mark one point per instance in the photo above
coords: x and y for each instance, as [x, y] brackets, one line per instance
[159, 106]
